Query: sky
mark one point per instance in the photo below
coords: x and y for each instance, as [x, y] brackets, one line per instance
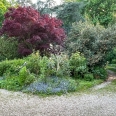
[56, 1]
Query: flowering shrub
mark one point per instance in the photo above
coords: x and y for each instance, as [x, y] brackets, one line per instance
[32, 30]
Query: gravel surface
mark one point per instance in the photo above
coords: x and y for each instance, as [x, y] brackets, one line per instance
[19, 104]
[102, 85]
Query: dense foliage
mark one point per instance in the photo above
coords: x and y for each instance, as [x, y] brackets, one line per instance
[8, 48]
[59, 65]
[101, 11]
[93, 41]
[78, 65]
[37, 74]
[3, 8]
[69, 13]
[32, 30]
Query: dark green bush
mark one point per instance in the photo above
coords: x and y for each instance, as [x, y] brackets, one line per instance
[100, 73]
[8, 48]
[93, 41]
[113, 61]
[88, 77]
[111, 56]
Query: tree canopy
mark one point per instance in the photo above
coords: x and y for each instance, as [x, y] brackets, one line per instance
[100, 11]
[3, 8]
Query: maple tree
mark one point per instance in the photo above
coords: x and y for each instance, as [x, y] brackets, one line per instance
[33, 30]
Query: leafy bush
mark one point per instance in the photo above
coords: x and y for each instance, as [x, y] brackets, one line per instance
[88, 77]
[111, 56]
[32, 30]
[55, 65]
[52, 85]
[78, 64]
[114, 61]
[111, 67]
[58, 65]
[8, 48]
[38, 65]
[100, 73]
[93, 41]
[33, 63]
[9, 67]
[11, 83]
[25, 77]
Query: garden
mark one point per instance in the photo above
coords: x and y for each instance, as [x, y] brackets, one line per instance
[43, 53]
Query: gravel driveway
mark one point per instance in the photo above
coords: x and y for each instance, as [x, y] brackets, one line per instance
[19, 104]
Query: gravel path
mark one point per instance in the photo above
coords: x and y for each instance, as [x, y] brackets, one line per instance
[94, 104]
[19, 104]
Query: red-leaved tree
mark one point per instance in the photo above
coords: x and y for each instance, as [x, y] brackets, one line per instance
[32, 30]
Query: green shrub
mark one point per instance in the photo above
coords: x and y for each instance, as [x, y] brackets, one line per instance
[11, 83]
[113, 61]
[58, 65]
[37, 64]
[78, 64]
[93, 41]
[55, 65]
[4, 5]
[88, 77]
[100, 73]
[17, 81]
[33, 63]
[111, 67]
[11, 66]
[8, 48]
[25, 77]
[111, 56]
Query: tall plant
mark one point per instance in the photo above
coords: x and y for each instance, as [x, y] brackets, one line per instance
[95, 42]
[33, 30]
[69, 13]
